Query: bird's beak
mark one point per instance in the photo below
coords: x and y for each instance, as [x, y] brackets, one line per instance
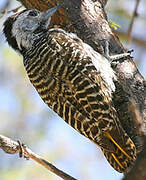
[47, 14]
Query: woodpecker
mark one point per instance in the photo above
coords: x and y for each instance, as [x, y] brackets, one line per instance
[73, 80]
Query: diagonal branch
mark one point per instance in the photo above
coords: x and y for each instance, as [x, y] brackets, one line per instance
[11, 147]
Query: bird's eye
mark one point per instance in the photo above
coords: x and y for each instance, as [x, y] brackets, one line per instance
[33, 13]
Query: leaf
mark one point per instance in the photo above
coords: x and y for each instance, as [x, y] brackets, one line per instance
[114, 25]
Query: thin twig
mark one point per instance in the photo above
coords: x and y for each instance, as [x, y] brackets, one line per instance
[5, 11]
[15, 9]
[134, 15]
[11, 147]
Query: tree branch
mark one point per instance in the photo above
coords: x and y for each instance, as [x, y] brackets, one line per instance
[138, 41]
[134, 15]
[11, 147]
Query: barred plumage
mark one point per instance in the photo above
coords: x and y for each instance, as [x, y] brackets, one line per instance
[73, 80]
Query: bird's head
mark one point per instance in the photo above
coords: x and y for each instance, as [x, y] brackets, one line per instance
[22, 29]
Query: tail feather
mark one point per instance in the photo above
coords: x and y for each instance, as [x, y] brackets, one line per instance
[124, 154]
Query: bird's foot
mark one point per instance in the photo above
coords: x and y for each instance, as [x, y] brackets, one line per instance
[116, 56]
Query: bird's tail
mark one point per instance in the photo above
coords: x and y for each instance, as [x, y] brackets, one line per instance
[120, 150]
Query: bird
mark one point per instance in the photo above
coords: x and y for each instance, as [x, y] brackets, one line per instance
[73, 79]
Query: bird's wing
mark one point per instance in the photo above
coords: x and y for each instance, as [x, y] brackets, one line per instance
[89, 87]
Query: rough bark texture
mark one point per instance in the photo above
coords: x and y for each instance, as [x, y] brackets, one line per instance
[88, 20]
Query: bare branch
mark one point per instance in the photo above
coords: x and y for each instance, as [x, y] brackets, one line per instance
[4, 9]
[14, 10]
[11, 147]
[132, 22]
[8, 145]
[136, 40]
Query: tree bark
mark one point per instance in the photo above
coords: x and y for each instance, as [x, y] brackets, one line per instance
[88, 20]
